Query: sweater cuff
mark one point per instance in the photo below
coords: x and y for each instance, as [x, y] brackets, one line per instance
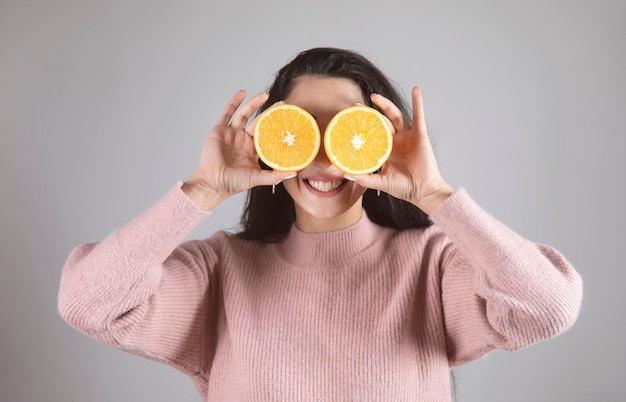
[179, 211]
[462, 219]
[167, 223]
[186, 202]
[458, 205]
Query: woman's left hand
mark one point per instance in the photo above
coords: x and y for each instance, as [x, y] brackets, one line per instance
[411, 172]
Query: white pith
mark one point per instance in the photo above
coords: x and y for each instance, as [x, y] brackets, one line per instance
[289, 139]
[325, 186]
[357, 141]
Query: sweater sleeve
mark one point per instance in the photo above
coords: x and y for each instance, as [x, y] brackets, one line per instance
[499, 290]
[139, 289]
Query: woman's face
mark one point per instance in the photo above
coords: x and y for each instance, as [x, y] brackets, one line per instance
[324, 200]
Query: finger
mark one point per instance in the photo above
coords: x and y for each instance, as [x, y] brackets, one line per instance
[247, 110]
[419, 119]
[393, 113]
[229, 110]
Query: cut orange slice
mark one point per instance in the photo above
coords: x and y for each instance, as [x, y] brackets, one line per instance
[358, 140]
[286, 137]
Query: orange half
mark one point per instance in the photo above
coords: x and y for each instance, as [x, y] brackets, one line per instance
[358, 140]
[286, 137]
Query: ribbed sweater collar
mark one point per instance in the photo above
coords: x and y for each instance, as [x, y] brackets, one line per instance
[310, 251]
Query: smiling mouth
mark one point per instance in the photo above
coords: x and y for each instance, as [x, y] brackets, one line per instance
[325, 186]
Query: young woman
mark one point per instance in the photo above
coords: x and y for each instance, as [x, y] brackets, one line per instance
[329, 292]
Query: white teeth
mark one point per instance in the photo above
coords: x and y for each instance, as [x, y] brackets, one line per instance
[325, 186]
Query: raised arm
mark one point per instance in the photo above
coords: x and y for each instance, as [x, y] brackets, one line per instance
[499, 290]
[139, 289]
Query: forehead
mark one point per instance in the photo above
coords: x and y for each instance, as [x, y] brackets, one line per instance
[319, 95]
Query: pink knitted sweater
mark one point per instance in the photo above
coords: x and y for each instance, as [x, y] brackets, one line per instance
[362, 314]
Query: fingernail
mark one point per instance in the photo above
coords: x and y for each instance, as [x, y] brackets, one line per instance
[348, 178]
[291, 176]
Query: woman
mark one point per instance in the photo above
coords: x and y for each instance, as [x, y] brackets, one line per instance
[329, 292]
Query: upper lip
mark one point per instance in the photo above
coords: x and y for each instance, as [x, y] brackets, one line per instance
[323, 177]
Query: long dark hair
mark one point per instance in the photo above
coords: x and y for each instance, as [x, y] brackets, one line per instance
[269, 216]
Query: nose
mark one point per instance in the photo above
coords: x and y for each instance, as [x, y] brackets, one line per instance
[321, 158]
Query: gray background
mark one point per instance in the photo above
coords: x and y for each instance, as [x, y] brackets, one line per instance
[104, 105]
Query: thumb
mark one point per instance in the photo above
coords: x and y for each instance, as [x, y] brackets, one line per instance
[271, 177]
[373, 181]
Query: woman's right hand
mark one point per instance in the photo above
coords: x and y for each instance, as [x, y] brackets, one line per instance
[229, 162]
